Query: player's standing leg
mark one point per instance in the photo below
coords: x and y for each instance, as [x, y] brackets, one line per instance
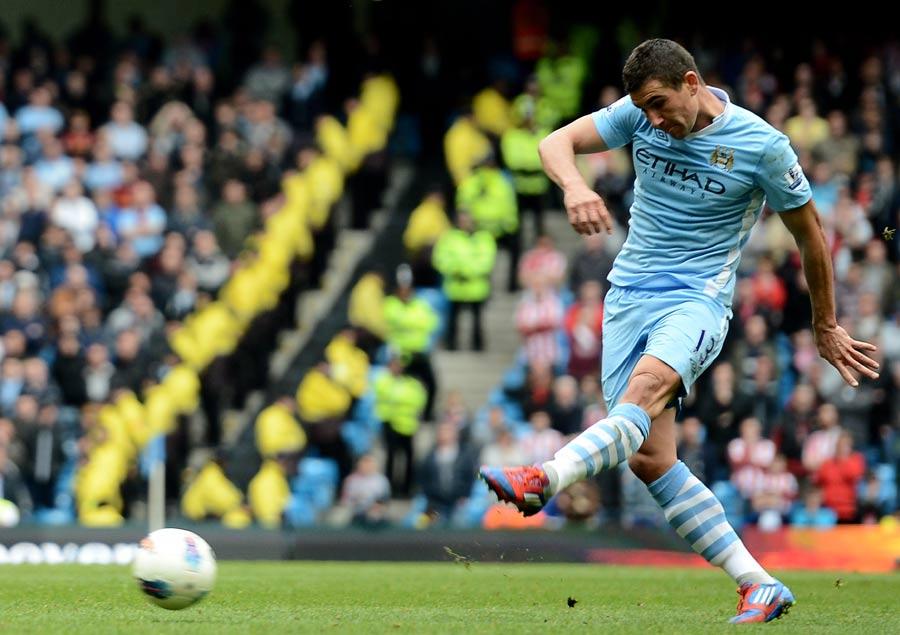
[655, 344]
[697, 516]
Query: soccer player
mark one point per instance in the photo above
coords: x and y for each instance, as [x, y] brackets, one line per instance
[704, 167]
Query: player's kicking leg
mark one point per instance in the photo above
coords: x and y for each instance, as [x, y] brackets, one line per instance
[604, 445]
[689, 506]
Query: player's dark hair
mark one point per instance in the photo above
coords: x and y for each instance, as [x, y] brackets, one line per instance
[659, 59]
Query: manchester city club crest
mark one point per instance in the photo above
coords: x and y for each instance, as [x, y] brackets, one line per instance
[722, 158]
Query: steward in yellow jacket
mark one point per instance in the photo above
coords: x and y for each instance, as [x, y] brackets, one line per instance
[465, 257]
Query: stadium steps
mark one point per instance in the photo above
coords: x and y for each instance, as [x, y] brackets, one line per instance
[352, 245]
[315, 305]
[476, 374]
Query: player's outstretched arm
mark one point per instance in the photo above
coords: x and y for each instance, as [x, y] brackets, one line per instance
[834, 343]
[586, 210]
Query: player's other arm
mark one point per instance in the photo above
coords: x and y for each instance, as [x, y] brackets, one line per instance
[833, 342]
[586, 210]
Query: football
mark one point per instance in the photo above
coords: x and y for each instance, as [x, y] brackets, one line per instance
[174, 568]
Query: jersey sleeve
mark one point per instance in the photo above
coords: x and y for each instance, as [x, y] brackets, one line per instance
[781, 177]
[617, 122]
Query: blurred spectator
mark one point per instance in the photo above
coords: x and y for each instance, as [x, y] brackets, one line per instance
[769, 292]
[519, 146]
[12, 379]
[98, 373]
[307, 91]
[821, 445]
[584, 329]
[503, 450]
[840, 149]
[143, 222]
[25, 318]
[811, 513]
[759, 396]
[543, 264]
[67, 370]
[12, 486]
[411, 323]
[130, 363]
[187, 218]
[489, 198]
[593, 262]
[127, 139]
[541, 442]
[539, 318]
[234, 218]
[77, 214]
[446, 474]
[366, 492]
[265, 132]
[806, 129]
[400, 401]
[537, 390]
[38, 383]
[39, 114]
[839, 479]
[750, 456]
[44, 454]
[78, 140]
[690, 449]
[797, 422]
[754, 347]
[566, 410]
[269, 78]
[775, 490]
[53, 169]
[207, 263]
[465, 257]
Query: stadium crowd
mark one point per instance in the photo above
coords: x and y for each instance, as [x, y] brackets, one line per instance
[130, 184]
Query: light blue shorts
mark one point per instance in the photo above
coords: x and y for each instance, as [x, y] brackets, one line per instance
[682, 327]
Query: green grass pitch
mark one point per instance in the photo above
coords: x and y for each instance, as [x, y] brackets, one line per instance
[291, 597]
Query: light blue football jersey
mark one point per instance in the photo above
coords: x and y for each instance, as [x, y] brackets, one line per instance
[696, 199]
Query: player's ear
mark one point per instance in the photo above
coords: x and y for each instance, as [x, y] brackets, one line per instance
[692, 80]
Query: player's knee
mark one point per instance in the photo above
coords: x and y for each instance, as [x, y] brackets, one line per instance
[650, 390]
[649, 467]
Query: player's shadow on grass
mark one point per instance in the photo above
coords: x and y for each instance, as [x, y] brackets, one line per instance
[198, 619]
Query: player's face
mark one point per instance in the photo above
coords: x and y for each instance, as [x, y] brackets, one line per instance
[673, 110]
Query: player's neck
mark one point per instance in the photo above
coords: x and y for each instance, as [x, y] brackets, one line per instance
[710, 108]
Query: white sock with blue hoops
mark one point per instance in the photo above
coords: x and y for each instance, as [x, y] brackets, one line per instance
[604, 445]
[698, 517]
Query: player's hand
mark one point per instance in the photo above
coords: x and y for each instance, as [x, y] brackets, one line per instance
[587, 212]
[845, 353]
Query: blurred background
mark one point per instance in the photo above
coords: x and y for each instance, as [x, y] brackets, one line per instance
[286, 265]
